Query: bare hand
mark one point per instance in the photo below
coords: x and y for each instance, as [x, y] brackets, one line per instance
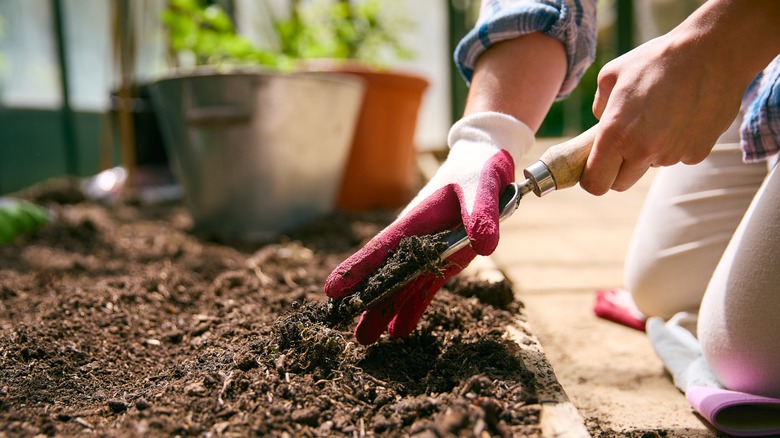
[663, 103]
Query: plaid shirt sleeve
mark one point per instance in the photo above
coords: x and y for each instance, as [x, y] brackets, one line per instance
[761, 122]
[573, 22]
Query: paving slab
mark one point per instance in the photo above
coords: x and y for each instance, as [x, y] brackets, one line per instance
[557, 251]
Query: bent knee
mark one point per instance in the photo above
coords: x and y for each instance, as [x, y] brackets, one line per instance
[742, 362]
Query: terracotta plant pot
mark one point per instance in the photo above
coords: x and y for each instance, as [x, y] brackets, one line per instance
[380, 170]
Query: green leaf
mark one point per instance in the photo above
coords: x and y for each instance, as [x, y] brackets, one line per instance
[356, 29]
[217, 18]
[19, 217]
[7, 232]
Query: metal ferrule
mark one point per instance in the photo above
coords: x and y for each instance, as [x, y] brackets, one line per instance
[541, 178]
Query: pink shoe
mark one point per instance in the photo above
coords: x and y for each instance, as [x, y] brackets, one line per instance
[617, 306]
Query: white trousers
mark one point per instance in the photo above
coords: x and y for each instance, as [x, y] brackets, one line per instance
[708, 241]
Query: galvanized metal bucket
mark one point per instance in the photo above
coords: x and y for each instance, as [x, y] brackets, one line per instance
[257, 153]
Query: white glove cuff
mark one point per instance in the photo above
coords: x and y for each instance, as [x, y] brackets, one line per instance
[501, 130]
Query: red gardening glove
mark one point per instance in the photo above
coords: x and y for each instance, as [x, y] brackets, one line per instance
[466, 189]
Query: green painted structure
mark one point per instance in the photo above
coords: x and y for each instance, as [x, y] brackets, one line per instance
[33, 147]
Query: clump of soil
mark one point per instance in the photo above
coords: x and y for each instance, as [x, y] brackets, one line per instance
[414, 255]
[498, 294]
[118, 321]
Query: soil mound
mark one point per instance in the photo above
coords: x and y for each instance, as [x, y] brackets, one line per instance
[116, 320]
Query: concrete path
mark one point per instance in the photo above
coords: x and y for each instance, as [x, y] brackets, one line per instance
[558, 250]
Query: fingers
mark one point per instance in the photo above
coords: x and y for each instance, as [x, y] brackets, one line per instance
[400, 314]
[612, 165]
[629, 174]
[601, 170]
[482, 225]
[354, 270]
[414, 306]
[375, 321]
[413, 309]
[439, 211]
[615, 162]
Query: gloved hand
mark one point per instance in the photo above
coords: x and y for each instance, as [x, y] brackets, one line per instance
[465, 189]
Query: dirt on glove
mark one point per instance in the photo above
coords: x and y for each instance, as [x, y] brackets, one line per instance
[414, 255]
[119, 321]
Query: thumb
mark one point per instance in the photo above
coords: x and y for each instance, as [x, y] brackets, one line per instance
[480, 209]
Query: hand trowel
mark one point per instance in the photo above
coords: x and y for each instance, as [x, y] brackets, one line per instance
[559, 167]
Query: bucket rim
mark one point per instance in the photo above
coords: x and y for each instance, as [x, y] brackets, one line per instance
[196, 73]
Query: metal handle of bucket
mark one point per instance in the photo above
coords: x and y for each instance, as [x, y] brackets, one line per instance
[225, 114]
[218, 115]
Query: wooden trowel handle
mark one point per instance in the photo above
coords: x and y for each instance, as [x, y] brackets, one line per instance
[564, 162]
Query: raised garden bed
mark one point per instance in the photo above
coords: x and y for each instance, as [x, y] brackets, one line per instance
[118, 321]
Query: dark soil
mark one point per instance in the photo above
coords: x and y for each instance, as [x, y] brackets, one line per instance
[117, 321]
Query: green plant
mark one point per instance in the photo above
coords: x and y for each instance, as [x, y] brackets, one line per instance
[201, 34]
[363, 30]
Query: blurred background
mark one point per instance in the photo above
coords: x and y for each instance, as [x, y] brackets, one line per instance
[65, 65]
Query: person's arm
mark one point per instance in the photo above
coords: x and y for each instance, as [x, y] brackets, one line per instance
[668, 100]
[521, 56]
[519, 77]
